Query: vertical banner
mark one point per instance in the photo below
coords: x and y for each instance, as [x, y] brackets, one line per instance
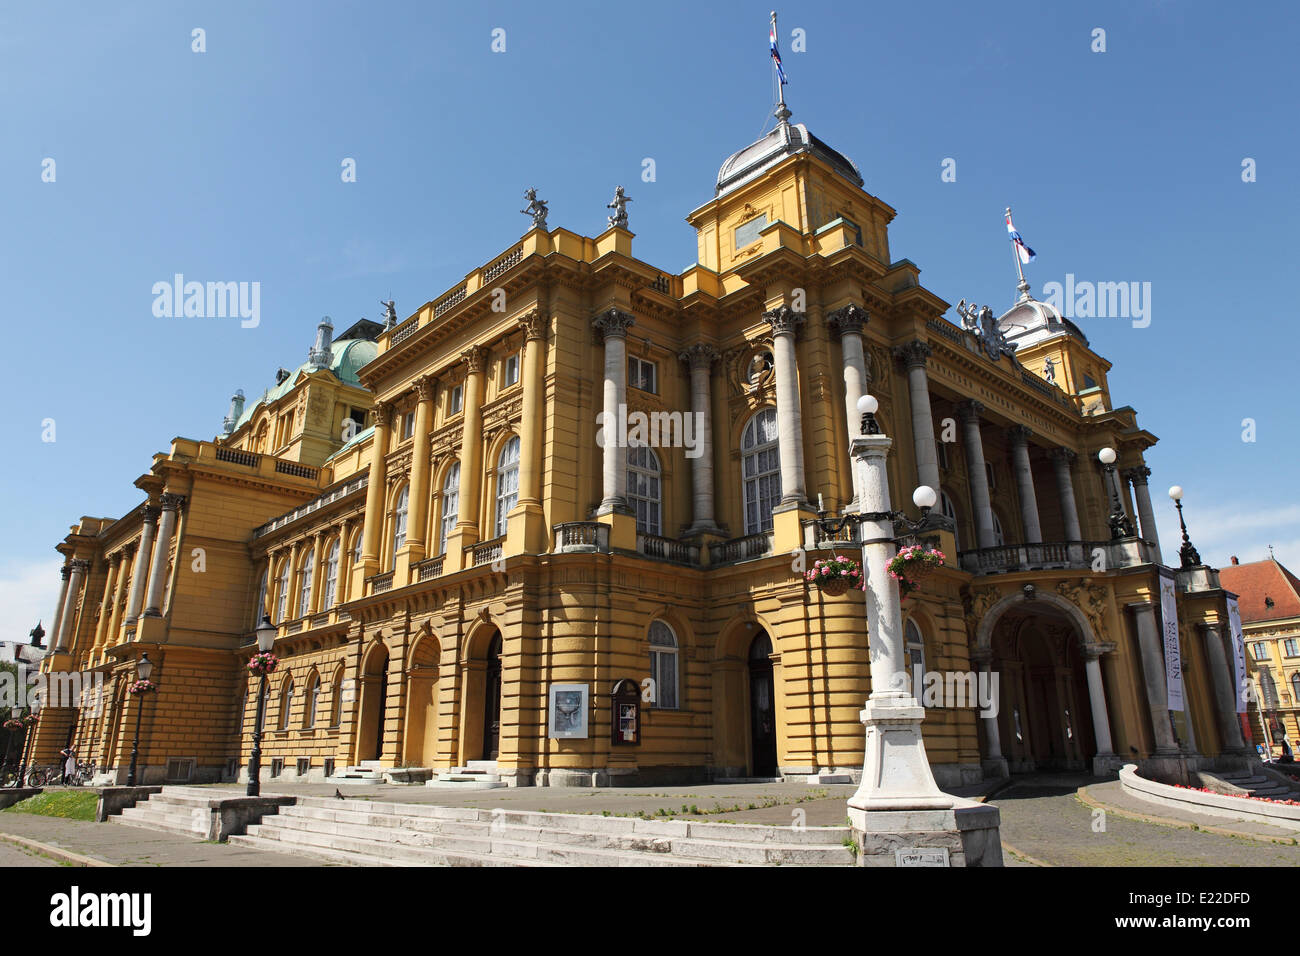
[1238, 655]
[1173, 659]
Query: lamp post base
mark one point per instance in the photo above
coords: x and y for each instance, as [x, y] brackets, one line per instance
[896, 773]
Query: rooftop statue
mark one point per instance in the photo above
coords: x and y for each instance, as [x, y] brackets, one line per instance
[536, 208]
[390, 313]
[982, 321]
[619, 205]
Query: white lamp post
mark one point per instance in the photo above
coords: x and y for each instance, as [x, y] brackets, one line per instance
[1120, 525]
[1188, 556]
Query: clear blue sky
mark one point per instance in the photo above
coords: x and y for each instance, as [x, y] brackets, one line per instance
[225, 166]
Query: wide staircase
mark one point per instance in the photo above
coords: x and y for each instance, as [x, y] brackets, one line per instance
[372, 833]
[174, 809]
[1258, 785]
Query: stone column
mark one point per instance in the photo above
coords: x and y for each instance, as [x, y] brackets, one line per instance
[140, 572]
[64, 573]
[418, 507]
[613, 326]
[1019, 436]
[106, 605]
[471, 443]
[1097, 699]
[1062, 459]
[158, 565]
[77, 573]
[700, 358]
[374, 521]
[1146, 516]
[127, 571]
[914, 356]
[1225, 697]
[1153, 673]
[343, 590]
[532, 409]
[969, 413]
[785, 324]
[849, 321]
[994, 763]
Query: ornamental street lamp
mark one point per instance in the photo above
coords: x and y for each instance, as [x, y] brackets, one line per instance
[1188, 555]
[143, 668]
[29, 739]
[896, 773]
[1120, 525]
[265, 641]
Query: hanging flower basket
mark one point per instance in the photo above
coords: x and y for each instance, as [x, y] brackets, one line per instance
[912, 565]
[263, 663]
[15, 723]
[835, 575]
[141, 687]
[31, 719]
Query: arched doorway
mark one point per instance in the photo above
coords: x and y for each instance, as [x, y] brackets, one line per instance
[374, 704]
[1044, 716]
[492, 700]
[762, 708]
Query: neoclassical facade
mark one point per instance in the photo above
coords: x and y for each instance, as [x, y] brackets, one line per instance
[557, 517]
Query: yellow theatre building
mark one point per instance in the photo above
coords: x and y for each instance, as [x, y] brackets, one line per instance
[466, 569]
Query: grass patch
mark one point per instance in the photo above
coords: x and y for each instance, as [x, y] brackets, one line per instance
[68, 804]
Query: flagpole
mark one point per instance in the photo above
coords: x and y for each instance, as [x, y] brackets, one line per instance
[1015, 254]
[782, 111]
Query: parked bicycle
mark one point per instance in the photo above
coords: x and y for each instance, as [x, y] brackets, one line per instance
[55, 776]
[9, 775]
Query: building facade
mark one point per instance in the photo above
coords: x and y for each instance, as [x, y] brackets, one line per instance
[570, 538]
[1269, 604]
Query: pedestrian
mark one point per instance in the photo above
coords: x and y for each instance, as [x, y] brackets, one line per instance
[69, 755]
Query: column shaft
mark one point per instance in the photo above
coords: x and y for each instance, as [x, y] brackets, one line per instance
[140, 571]
[106, 605]
[979, 483]
[1097, 698]
[127, 570]
[914, 356]
[1225, 697]
[471, 444]
[158, 566]
[1025, 485]
[785, 322]
[613, 325]
[699, 359]
[1153, 672]
[1142, 498]
[374, 521]
[67, 622]
[532, 412]
[57, 626]
[1061, 459]
[418, 506]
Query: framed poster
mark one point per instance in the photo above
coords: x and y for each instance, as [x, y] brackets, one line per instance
[568, 711]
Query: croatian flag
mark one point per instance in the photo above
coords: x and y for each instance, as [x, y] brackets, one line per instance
[776, 54]
[1023, 251]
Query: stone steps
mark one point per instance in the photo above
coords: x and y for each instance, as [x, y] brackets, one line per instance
[1258, 785]
[378, 833]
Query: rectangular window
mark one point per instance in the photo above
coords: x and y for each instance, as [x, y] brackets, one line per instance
[942, 449]
[1259, 651]
[643, 375]
[408, 425]
[988, 471]
[748, 232]
[512, 370]
[454, 405]
[1292, 647]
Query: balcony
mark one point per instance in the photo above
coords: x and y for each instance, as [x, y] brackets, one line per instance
[1056, 555]
[581, 536]
[741, 549]
[380, 583]
[429, 568]
[489, 552]
[667, 549]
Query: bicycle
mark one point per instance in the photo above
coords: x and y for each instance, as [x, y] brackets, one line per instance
[9, 775]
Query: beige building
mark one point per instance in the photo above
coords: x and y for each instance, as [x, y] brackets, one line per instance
[568, 547]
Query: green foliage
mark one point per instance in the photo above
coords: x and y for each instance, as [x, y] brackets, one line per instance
[68, 804]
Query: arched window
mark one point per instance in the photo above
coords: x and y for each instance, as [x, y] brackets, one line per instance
[282, 592]
[399, 522]
[286, 703]
[643, 488]
[313, 698]
[998, 538]
[948, 511]
[1295, 686]
[761, 464]
[331, 577]
[663, 665]
[336, 698]
[915, 646]
[356, 549]
[305, 578]
[507, 483]
[450, 505]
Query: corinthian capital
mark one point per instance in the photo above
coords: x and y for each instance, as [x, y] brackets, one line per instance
[784, 320]
[79, 566]
[1018, 434]
[613, 323]
[851, 318]
[1063, 455]
[701, 355]
[424, 386]
[914, 354]
[1137, 474]
[150, 514]
[970, 410]
[534, 325]
[473, 359]
[171, 502]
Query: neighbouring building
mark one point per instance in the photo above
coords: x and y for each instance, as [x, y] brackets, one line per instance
[484, 572]
[1268, 597]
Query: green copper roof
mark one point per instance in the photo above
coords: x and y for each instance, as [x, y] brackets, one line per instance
[346, 358]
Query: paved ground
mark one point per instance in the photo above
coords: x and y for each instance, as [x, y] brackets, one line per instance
[127, 846]
[1047, 820]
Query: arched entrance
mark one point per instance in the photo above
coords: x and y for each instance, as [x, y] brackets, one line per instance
[422, 725]
[492, 700]
[762, 708]
[1044, 717]
[374, 704]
